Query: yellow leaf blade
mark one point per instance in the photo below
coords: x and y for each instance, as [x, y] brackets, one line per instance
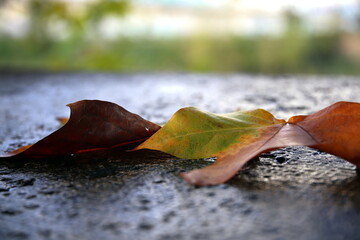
[192, 133]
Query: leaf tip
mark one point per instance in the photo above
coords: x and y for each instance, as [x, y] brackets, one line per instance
[296, 119]
[188, 178]
[197, 178]
[62, 120]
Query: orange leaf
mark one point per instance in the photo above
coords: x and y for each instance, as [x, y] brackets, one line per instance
[336, 130]
[62, 120]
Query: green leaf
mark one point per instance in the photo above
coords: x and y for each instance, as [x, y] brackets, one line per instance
[192, 133]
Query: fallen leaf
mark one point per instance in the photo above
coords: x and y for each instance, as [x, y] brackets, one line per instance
[336, 130]
[192, 133]
[62, 120]
[92, 125]
[233, 138]
[236, 138]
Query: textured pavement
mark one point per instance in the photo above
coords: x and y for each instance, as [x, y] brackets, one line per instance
[291, 193]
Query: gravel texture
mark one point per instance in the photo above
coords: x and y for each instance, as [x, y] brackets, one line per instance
[290, 193]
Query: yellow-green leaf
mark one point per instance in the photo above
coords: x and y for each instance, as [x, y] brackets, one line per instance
[192, 133]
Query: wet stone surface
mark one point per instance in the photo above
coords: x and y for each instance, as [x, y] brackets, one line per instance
[290, 193]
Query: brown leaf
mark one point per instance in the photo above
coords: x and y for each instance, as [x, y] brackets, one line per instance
[230, 161]
[336, 130]
[93, 125]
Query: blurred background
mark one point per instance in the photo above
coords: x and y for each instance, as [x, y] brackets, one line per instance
[250, 36]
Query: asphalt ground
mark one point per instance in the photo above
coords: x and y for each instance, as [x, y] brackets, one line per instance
[290, 193]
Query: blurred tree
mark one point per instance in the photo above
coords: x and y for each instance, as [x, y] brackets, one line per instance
[293, 42]
[284, 53]
[358, 18]
[45, 43]
[323, 50]
[40, 13]
[43, 13]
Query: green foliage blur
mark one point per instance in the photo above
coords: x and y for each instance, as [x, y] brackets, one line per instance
[295, 51]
